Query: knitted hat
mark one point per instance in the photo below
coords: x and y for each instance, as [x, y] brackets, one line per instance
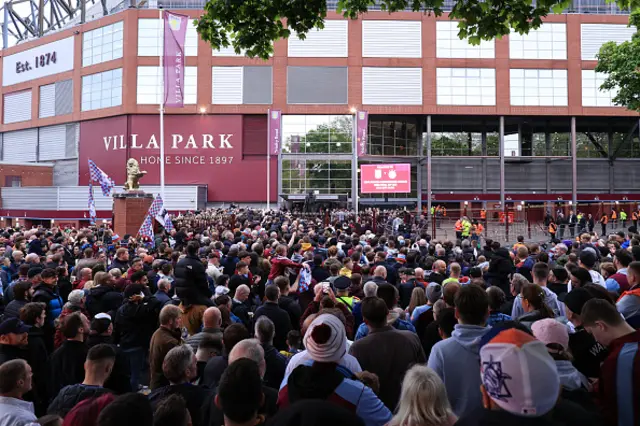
[550, 331]
[518, 374]
[434, 292]
[325, 339]
[576, 299]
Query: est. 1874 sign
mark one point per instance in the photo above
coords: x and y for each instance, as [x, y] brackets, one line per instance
[40, 61]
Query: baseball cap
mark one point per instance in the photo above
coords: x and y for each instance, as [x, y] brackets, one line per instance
[33, 272]
[576, 299]
[518, 374]
[342, 283]
[221, 290]
[13, 325]
[434, 292]
[549, 331]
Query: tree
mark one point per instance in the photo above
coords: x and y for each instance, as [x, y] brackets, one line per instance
[621, 64]
[251, 26]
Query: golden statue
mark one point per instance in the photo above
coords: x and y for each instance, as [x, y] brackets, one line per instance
[133, 175]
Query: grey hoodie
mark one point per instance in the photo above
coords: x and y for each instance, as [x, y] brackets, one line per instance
[570, 378]
[457, 362]
[550, 299]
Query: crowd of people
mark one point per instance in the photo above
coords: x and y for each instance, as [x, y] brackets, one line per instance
[246, 317]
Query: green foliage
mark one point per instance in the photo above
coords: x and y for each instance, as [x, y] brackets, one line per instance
[253, 25]
[621, 64]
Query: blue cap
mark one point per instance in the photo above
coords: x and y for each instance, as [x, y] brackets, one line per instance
[13, 326]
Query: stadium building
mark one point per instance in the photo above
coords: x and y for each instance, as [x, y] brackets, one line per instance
[516, 119]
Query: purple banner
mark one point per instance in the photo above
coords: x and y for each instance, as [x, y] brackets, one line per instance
[175, 32]
[362, 126]
[275, 142]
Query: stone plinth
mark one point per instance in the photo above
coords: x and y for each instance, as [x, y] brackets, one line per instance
[129, 211]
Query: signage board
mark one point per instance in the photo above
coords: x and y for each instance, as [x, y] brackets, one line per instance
[40, 61]
[385, 178]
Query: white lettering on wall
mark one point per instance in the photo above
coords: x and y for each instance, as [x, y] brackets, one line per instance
[118, 142]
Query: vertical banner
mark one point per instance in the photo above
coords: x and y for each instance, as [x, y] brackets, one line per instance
[362, 122]
[275, 119]
[175, 32]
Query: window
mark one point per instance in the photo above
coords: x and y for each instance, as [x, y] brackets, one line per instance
[317, 134]
[391, 86]
[300, 176]
[241, 85]
[391, 39]
[392, 138]
[466, 86]
[17, 106]
[330, 42]
[547, 42]
[449, 45]
[593, 36]
[102, 90]
[591, 94]
[13, 181]
[102, 44]
[150, 81]
[538, 87]
[151, 41]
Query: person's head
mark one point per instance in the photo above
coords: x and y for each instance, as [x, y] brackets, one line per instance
[76, 327]
[433, 293]
[242, 293]
[140, 277]
[164, 285]
[449, 293]
[325, 339]
[240, 393]
[49, 276]
[283, 284]
[579, 277]
[210, 346]
[192, 248]
[574, 302]
[130, 409]
[101, 325]
[294, 339]
[555, 336]
[532, 297]
[34, 275]
[455, 270]
[99, 363]
[471, 305]
[212, 318]
[496, 297]
[179, 365]
[21, 290]
[13, 332]
[558, 276]
[374, 312]
[172, 411]
[380, 272]
[522, 252]
[136, 265]
[33, 314]
[518, 375]
[418, 298]
[265, 330]
[166, 269]
[370, 289]
[234, 334]
[622, 259]
[423, 399]
[603, 321]
[272, 293]
[607, 269]
[446, 323]
[77, 298]
[389, 294]
[171, 317]
[587, 259]
[633, 273]
[251, 349]
[15, 378]
[540, 273]
[122, 254]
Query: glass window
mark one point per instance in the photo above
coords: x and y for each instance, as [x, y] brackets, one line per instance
[303, 175]
[466, 86]
[102, 44]
[150, 81]
[393, 138]
[547, 42]
[451, 136]
[538, 87]
[317, 134]
[592, 96]
[102, 90]
[449, 45]
[13, 181]
[151, 40]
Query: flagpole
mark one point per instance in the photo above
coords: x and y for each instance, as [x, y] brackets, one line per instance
[269, 159]
[162, 95]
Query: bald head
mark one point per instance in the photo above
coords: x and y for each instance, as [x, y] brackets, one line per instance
[419, 273]
[85, 274]
[380, 271]
[439, 266]
[212, 318]
[251, 349]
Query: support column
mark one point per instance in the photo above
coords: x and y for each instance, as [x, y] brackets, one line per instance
[429, 189]
[574, 164]
[609, 153]
[278, 197]
[419, 170]
[483, 162]
[547, 162]
[501, 153]
[354, 166]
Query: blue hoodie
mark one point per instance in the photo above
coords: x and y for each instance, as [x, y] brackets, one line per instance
[457, 361]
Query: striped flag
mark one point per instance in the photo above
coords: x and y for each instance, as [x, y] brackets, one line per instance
[156, 207]
[97, 175]
[165, 220]
[92, 205]
[146, 230]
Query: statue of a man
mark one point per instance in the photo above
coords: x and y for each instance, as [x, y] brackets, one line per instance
[133, 175]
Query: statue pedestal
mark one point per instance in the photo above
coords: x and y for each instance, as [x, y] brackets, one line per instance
[129, 211]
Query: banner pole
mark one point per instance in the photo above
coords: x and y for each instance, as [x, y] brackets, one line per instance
[269, 159]
[162, 95]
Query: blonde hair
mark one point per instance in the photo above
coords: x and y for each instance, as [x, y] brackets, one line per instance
[418, 298]
[423, 400]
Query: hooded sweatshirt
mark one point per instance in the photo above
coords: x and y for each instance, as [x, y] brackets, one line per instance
[457, 361]
[570, 378]
[550, 299]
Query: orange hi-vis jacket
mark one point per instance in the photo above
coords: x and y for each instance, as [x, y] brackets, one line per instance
[614, 215]
[477, 229]
[634, 215]
[458, 225]
[604, 219]
[553, 228]
[483, 214]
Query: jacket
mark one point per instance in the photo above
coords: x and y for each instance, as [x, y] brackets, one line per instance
[38, 359]
[195, 397]
[337, 385]
[388, 353]
[71, 395]
[550, 299]
[280, 319]
[615, 394]
[16, 412]
[191, 279]
[496, 317]
[241, 310]
[457, 361]
[393, 320]
[629, 303]
[103, 299]
[49, 296]
[118, 264]
[500, 267]
[10, 352]
[67, 365]
[292, 307]
[13, 309]
[279, 264]
[119, 381]
[162, 341]
[406, 289]
[276, 365]
[194, 341]
[136, 322]
[213, 371]
[588, 353]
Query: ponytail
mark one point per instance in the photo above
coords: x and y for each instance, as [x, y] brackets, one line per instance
[535, 296]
